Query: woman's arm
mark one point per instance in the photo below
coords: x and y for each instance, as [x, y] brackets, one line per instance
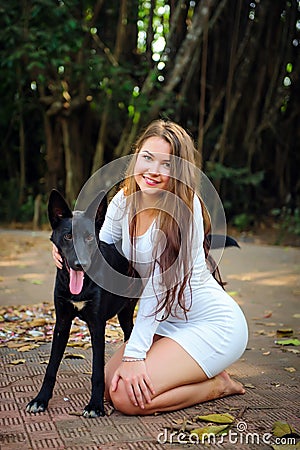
[146, 324]
[133, 369]
[111, 230]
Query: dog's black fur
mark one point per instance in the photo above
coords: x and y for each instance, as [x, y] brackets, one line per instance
[93, 304]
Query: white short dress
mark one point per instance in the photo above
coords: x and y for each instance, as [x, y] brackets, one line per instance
[214, 331]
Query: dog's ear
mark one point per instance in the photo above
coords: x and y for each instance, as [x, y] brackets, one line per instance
[97, 209]
[57, 208]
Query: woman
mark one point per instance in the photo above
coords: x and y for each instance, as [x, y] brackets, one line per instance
[188, 330]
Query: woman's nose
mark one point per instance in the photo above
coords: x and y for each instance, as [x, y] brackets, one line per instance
[154, 167]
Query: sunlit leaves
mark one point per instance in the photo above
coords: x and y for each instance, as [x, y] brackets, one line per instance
[159, 26]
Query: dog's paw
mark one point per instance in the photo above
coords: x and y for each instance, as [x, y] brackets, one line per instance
[36, 406]
[92, 412]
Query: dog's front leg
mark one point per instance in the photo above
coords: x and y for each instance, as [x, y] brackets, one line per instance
[125, 317]
[60, 339]
[95, 408]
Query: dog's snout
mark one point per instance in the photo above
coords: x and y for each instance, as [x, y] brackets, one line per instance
[80, 264]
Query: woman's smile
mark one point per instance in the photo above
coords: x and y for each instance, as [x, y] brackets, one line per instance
[150, 181]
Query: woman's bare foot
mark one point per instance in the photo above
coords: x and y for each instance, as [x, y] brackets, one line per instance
[229, 386]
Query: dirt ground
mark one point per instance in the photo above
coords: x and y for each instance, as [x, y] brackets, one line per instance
[27, 271]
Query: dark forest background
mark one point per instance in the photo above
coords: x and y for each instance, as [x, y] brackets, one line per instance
[79, 79]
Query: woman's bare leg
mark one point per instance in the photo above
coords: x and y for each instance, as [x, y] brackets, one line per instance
[178, 381]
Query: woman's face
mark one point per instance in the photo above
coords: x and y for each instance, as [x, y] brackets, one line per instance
[152, 167]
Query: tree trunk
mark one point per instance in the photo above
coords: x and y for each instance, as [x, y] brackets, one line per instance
[221, 145]
[70, 163]
[175, 72]
[54, 176]
[22, 183]
[202, 92]
[98, 159]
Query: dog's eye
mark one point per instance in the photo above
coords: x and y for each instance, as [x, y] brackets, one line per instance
[68, 237]
[90, 238]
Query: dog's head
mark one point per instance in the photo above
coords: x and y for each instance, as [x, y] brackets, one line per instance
[80, 226]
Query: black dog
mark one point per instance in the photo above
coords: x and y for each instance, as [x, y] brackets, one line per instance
[76, 294]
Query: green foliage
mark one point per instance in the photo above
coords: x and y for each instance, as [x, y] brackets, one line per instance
[9, 205]
[26, 210]
[243, 221]
[288, 221]
[238, 176]
[59, 64]
[9, 201]
[238, 182]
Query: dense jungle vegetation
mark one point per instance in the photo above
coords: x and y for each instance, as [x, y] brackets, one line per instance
[79, 80]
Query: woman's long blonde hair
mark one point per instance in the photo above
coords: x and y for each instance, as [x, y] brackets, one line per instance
[182, 184]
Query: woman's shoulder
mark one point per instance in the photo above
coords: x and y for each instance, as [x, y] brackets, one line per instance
[117, 204]
[119, 197]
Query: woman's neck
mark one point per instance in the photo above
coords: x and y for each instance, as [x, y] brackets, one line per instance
[148, 202]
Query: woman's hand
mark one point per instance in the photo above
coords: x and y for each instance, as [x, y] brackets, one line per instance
[137, 383]
[57, 257]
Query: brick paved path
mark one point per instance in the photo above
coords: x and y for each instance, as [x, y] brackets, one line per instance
[265, 281]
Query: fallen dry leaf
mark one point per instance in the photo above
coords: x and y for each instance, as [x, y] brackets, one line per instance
[288, 342]
[16, 362]
[74, 356]
[260, 332]
[267, 324]
[39, 322]
[284, 332]
[291, 350]
[15, 344]
[216, 418]
[281, 429]
[76, 344]
[24, 325]
[75, 413]
[233, 293]
[290, 369]
[26, 348]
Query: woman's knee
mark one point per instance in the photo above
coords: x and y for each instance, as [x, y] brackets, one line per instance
[121, 401]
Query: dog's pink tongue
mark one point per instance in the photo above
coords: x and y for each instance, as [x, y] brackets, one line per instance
[76, 281]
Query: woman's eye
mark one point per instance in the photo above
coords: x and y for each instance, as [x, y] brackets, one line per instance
[68, 237]
[89, 238]
[167, 165]
[147, 157]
